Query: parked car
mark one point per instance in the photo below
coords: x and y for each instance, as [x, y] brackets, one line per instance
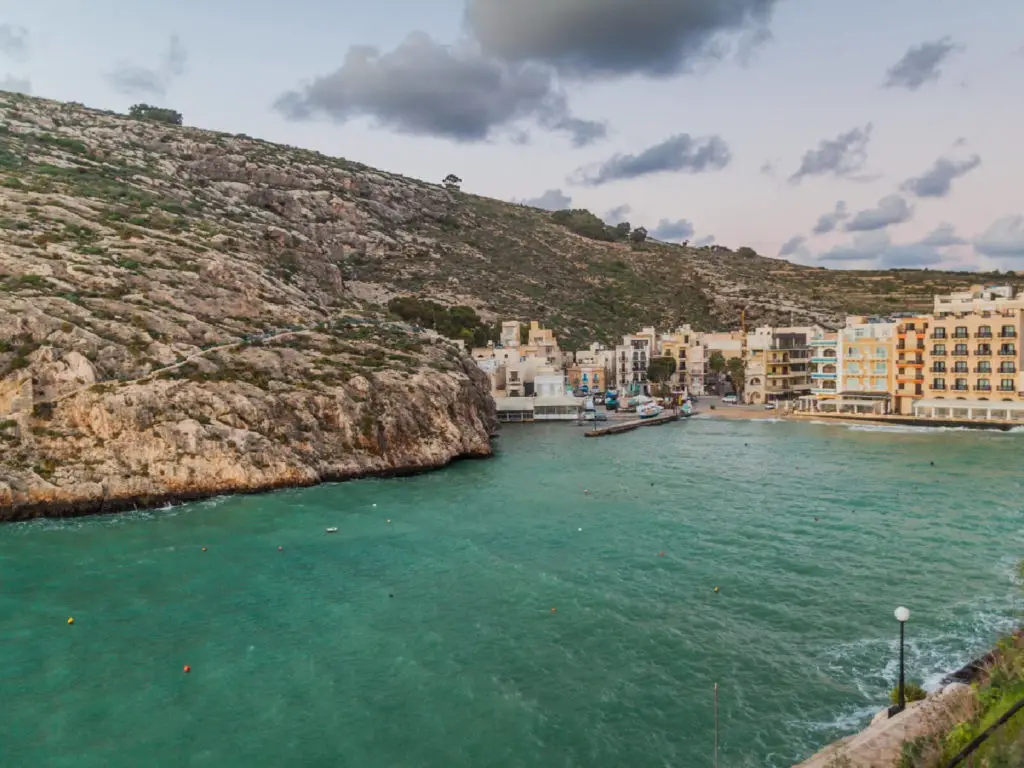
[730, 400]
[770, 406]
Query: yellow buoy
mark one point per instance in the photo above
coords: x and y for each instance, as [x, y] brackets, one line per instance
[71, 620]
[716, 589]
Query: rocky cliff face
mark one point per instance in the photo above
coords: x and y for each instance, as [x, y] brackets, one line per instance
[242, 419]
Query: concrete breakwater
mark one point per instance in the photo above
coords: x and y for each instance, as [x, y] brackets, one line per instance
[629, 426]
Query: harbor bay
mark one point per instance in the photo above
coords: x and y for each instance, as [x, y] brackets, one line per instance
[554, 606]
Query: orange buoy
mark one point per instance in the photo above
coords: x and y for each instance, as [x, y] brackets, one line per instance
[187, 669]
[661, 554]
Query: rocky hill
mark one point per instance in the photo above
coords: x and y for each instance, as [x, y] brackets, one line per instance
[185, 312]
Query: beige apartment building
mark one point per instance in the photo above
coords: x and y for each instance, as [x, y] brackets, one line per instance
[973, 356]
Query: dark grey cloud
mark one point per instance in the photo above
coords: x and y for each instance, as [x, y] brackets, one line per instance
[427, 89]
[618, 214]
[920, 64]
[608, 38]
[1004, 239]
[874, 250]
[133, 79]
[14, 42]
[551, 200]
[844, 155]
[943, 236]
[827, 222]
[681, 153]
[892, 209]
[672, 231]
[792, 245]
[937, 180]
[16, 84]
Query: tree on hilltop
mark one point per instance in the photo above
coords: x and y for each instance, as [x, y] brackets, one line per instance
[638, 235]
[452, 182]
[156, 114]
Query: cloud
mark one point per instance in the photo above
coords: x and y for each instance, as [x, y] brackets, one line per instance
[920, 64]
[611, 38]
[618, 214]
[874, 250]
[681, 153]
[14, 42]
[551, 200]
[892, 209]
[827, 222]
[937, 180]
[16, 84]
[135, 80]
[424, 88]
[1004, 239]
[942, 236]
[842, 156]
[790, 246]
[672, 231]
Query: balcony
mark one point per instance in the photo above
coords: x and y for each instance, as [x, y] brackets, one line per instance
[939, 387]
[1010, 369]
[1003, 388]
[983, 335]
[983, 388]
[936, 353]
[983, 351]
[1007, 351]
[823, 360]
[1008, 334]
[816, 375]
[961, 335]
[938, 335]
[960, 353]
[960, 388]
[987, 371]
[938, 369]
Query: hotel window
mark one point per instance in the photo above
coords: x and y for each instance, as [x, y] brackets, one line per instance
[1006, 385]
[1007, 368]
[1008, 332]
[938, 383]
[984, 331]
[939, 349]
[939, 333]
[881, 368]
[960, 332]
[880, 352]
[960, 349]
[960, 366]
[1008, 349]
[984, 385]
[960, 384]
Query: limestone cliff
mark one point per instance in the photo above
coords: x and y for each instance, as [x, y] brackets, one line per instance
[243, 419]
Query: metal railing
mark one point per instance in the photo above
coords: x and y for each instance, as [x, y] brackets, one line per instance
[984, 735]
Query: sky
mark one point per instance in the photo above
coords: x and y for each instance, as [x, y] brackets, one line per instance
[869, 134]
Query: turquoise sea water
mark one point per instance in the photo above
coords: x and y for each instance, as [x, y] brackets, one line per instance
[431, 641]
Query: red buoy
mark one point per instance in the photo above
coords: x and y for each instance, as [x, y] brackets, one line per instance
[187, 669]
[661, 554]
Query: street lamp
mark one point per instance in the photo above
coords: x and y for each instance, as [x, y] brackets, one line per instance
[902, 614]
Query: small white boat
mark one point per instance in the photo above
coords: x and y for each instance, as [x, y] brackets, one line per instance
[331, 530]
[648, 410]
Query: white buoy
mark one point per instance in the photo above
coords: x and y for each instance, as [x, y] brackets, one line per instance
[580, 530]
[375, 504]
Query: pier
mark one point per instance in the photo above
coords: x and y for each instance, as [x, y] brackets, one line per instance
[629, 426]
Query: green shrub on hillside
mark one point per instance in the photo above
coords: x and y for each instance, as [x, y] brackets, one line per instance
[911, 691]
[454, 322]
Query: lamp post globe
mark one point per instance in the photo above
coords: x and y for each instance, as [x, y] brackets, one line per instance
[902, 614]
